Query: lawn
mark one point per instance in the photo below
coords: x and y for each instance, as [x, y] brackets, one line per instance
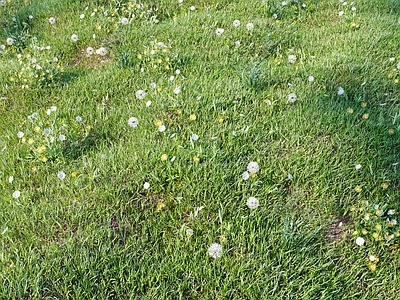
[210, 149]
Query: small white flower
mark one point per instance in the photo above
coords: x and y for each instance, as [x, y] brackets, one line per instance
[366, 217]
[393, 222]
[311, 78]
[292, 98]
[10, 179]
[172, 78]
[249, 26]
[104, 156]
[148, 103]
[391, 59]
[215, 250]
[61, 175]
[376, 206]
[192, 8]
[245, 175]
[177, 90]
[78, 118]
[53, 108]
[124, 21]
[62, 137]
[275, 16]
[101, 51]
[16, 194]
[52, 20]
[82, 16]
[341, 13]
[290, 176]
[340, 91]
[353, 8]
[140, 94]
[20, 135]
[360, 241]
[236, 23]
[177, 71]
[237, 43]
[153, 85]
[253, 167]
[133, 122]
[219, 31]
[390, 212]
[292, 58]
[358, 167]
[252, 203]
[372, 258]
[162, 128]
[89, 50]
[10, 41]
[146, 185]
[398, 64]
[46, 131]
[194, 137]
[74, 37]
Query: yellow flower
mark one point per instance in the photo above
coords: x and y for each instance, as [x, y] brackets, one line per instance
[33, 169]
[164, 157]
[158, 122]
[43, 158]
[372, 267]
[178, 111]
[375, 235]
[396, 80]
[74, 174]
[41, 149]
[378, 227]
[365, 116]
[352, 208]
[192, 117]
[196, 159]
[391, 131]
[36, 129]
[222, 238]
[384, 185]
[358, 189]
[221, 119]
[350, 110]
[363, 104]
[139, 56]
[364, 232]
[160, 206]
[253, 175]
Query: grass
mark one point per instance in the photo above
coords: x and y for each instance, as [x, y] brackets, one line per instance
[98, 233]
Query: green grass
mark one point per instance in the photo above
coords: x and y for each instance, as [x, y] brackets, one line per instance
[99, 234]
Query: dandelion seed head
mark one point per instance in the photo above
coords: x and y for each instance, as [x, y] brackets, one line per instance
[252, 203]
[215, 250]
[133, 122]
[16, 194]
[140, 94]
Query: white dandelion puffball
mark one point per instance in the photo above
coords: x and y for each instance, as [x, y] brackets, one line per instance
[236, 23]
[16, 194]
[124, 21]
[10, 41]
[237, 43]
[140, 94]
[177, 90]
[89, 50]
[253, 167]
[2, 2]
[162, 128]
[215, 250]
[292, 58]
[61, 175]
[340, 91]
[52, 20]
[194, 137]
[20, 135]
[249, 26]
[360, 241]
[252, 203]
[358, 167]
[146, 185]
[311, 78]
[74, 37]
[245, 175]
[341, 13]
[62, 137]
[219, 31]
[101, 51]
[133, 122]
[292, 98]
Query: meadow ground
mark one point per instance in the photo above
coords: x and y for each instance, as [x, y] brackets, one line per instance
[206, 149]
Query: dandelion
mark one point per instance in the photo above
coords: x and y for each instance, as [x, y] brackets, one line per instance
[236, 23]
[164, 157]
[162, 128]
[353, 8]
[160, 206]
[192, 117]
[194, 137]
[311, 78]
[177, 90]
[252, 203]
[391, 212]
[133, 122]
[153, 85]
[104, 156]
[341, 13]
[62, 137]
[47, 131]
[10, 41]
[101, 51]
[74, 37]
[340, 91]
[372, 267]
[350, 110]
[82, 16]
[237, 43]
[360, 241]
[89, 50]
[215, 250]
[245, 175]
[146, 185]
[20, 135]
[253, 167]
[158, 122]
[16, 194]
[365, 116]
[11, 179]
[192, 8]
[384, 185]
[124, 21]
[249, 26]
[292, 98]
[189, 232]
[219, 31]
[358, 167]
[140, 94]
[61, 175]
[358, 189]
[78, 118]
[2, 2]
[52, 20]
[148, 103]
[292, 58]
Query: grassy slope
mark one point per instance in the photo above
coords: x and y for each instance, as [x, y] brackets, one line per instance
[99, 234]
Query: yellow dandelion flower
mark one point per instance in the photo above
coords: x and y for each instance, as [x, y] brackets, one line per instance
[375, 235]
[164, 157]
[222, 238]
[364, 232]
[178, 111]
[43, 158]
[160, 206]
[391, 131]
[363, 104]
[365, 116]
[33, 169]
[74, 174]
[396, 81]
[352, 208]
[36, 129]
[192, 117]
[253, 175]
[196, 159]
[158, 122]
[41, 149]
[350, 110]
[372, 267]
[390, 75]
[358, 189]
[221, 119]
[378, 227]
[384, 185]
[139, 56]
